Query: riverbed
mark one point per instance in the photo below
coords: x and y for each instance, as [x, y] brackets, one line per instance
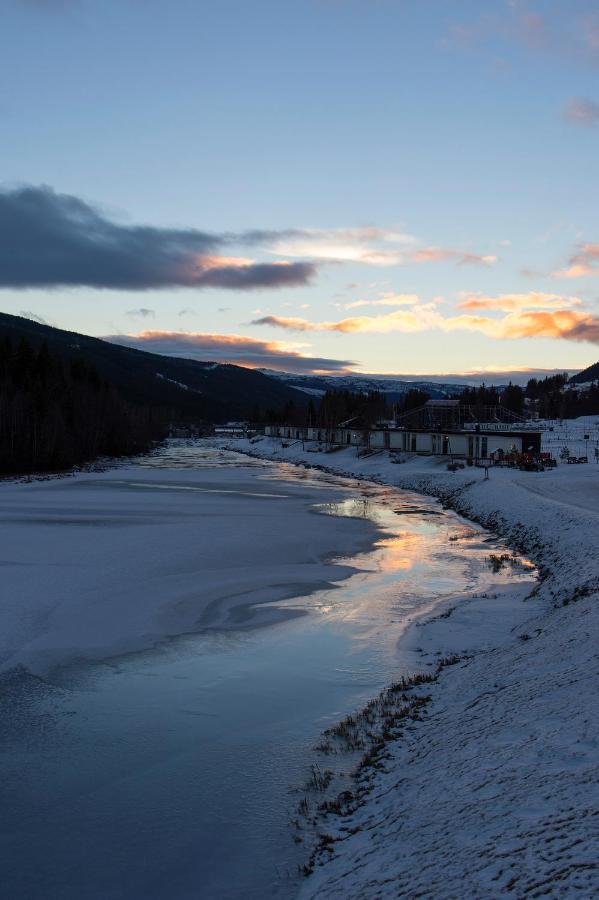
[157, 748]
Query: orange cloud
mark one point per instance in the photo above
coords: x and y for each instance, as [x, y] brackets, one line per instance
[439, 254]
[233, 348]
[514, 302]
[564, 323]
[585, 262]
[418, 318]
[233, 262]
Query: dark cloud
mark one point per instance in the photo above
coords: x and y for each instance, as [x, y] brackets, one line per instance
[56, 240]
[231, 348]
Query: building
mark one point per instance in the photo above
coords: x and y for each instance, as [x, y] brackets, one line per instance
[234, 429]
[472, 441]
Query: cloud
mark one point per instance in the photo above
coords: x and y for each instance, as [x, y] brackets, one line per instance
[368, 246]
[584, 262]
[489, 374]
[232, 348]
[51, 240]
[561, 324]
[590, 33]
[418, 318]
[440, 254]
[386, 299]
[514, 302]
[362, 245]
[583, 112]
[521, 322]
[142, 312]
[561, 37]
[57, 240]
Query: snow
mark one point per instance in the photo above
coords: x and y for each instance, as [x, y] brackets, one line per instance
[179, 384]
[497, 789]
[101, 564]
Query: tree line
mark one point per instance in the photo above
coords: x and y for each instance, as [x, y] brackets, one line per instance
[57, 412]
[550, 397]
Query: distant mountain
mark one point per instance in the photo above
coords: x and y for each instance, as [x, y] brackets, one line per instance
[393, 388]
[587, 375]
[181, 388]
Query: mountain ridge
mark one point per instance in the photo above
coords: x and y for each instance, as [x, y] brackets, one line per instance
[188, 389]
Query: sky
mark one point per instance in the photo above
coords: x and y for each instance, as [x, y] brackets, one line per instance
[372, 186]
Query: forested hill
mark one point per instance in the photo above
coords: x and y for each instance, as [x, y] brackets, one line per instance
[56, 413]
[587, 375]
[177, 389]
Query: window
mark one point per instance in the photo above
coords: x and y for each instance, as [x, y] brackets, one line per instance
[484, 445]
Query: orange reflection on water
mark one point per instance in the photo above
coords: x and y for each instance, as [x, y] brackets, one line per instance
[399, 552]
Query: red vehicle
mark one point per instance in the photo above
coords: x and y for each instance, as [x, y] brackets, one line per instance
[531, 462]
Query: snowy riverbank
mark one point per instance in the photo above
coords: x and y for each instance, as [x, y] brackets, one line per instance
[497, 790]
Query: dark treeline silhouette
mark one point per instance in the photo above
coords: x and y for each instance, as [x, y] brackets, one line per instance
[56, 412]
[481, 398]
[553, 399]
[344, 406]
[412, 399]
[331, 409]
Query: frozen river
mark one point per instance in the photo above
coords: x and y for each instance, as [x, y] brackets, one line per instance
[183, 630]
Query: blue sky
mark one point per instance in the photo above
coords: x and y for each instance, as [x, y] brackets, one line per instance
[432, 165]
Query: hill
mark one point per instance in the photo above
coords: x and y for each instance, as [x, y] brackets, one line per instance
[587, 375]
[182, 389]
[393, 389]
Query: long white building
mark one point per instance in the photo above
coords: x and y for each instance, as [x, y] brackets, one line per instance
[476, 442]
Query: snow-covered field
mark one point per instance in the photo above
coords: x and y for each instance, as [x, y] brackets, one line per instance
[497, 790]
[100, 564]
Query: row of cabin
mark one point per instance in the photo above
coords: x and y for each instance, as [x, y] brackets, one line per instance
[468, 444]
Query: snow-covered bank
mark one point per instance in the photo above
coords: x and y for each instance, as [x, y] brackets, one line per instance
[497, 791]
[102, 564]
